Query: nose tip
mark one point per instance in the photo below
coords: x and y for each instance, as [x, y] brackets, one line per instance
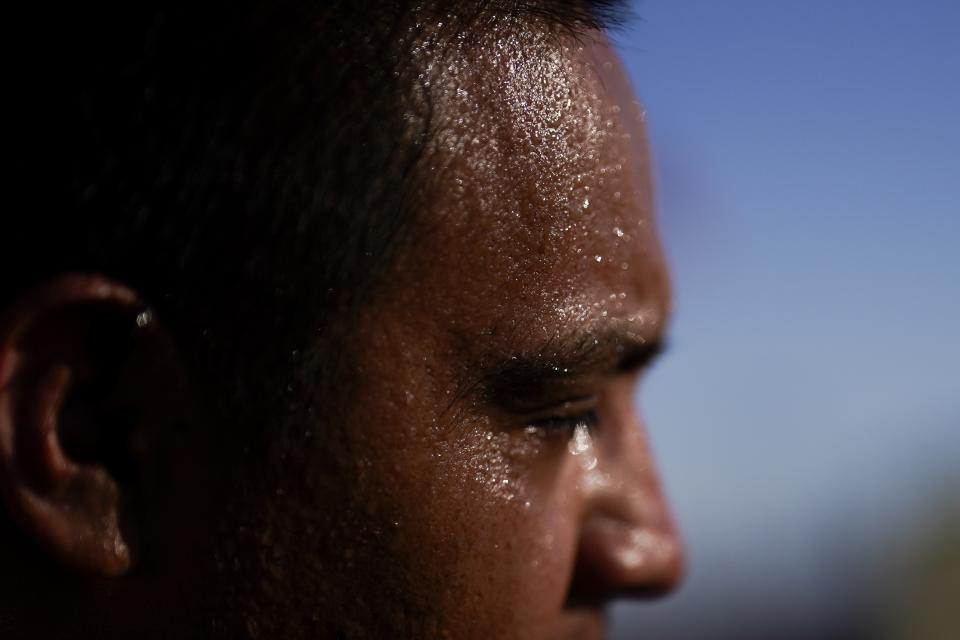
[616, 559]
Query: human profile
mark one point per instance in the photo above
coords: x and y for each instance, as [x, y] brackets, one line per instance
[324, 320]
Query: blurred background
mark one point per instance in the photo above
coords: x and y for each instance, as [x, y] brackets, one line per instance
[807, 417]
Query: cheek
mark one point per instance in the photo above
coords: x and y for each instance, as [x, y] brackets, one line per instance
[512, 506]
[494, 517]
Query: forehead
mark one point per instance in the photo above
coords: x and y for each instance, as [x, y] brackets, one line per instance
[538, 176]
[537, 197]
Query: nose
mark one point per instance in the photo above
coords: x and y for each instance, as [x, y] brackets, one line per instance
[628, 544]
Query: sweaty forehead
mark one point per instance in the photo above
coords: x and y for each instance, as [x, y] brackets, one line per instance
[538, 195]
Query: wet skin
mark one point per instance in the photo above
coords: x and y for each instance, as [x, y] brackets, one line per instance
[499, 484]
[480, 471]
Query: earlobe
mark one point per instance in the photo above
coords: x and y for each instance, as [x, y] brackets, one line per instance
[69, 504]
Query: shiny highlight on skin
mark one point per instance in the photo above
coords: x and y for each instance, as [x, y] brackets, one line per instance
[539, 235]
[467, 460]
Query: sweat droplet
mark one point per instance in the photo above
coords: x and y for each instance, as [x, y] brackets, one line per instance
[581, 440]
[582, 446]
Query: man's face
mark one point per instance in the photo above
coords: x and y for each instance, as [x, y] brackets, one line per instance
[498, 480]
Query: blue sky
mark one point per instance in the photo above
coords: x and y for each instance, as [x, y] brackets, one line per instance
[808, 159]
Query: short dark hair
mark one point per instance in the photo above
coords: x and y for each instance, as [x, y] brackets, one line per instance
[246, 165]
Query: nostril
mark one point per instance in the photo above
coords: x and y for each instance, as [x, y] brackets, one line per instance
[615, 559]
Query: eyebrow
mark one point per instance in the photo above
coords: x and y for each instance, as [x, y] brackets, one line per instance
[603, 15]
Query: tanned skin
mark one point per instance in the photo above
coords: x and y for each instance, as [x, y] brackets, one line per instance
[483, 470]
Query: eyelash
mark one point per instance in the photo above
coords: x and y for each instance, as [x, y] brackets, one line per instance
[568, 423]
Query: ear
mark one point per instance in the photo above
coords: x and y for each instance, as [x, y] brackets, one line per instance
[68, 351]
